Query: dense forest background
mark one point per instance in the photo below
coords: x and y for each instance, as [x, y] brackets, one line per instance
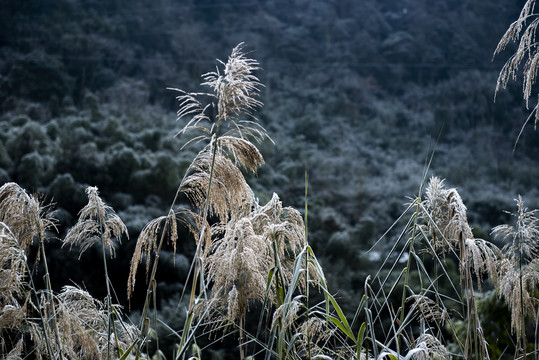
[358, 94]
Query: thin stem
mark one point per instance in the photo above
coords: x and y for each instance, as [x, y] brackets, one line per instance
[43, 322]
[522, 333]
[241, 339]
[109, 330]
[307, 267]
[50, 296]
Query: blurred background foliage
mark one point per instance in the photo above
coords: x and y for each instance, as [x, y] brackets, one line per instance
[357, 93]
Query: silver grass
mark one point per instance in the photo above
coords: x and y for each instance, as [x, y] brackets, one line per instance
[239, 264]
[243, 152]
[149, 238]
[518, 271]
[287, 314]
[235, 90]
[80, 339]
[525, 29]
[97, 223]
[17, 352]
[13, 288]
[229, 137]
[89, 311]
[429, 347]
[12, 317]
[90, 318]
[314, 334]
[82, 322]
[23, 214]
[37, 337]
[523, 236]
[517, 288]
[437, 216]
[245, 252]
[12, 270]
[483, 257]
[447, 224]
[457, 229]
[428, 309]
[229, 188]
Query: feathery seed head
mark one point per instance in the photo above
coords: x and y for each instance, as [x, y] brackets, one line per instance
[447, 224]
[527, 49]
[23, 214]
[243, 255]
[428, 309]
[149, 237]
[429, 347]
[483, 257]
[287, 314]
[229, 188]
[98, 223]
[517, 288]
[314, 334]
[12, 268]
[523, 236]
[235, 89]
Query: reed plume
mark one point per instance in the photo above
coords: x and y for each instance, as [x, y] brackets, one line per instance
[525, 29]
[447, 225]
[519, 270]
[98, 223]
[148, 241]
[429, 347]
[255, 242]
[224, 120]
[28, 221]
[26, 218]
[13, 285]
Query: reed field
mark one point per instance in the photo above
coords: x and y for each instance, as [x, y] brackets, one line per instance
[254, 287]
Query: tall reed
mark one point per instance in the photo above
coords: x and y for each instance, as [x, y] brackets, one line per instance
[98, 224]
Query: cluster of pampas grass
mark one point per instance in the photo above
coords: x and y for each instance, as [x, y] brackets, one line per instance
[38, 322]
[513, 270]
[257, 257]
